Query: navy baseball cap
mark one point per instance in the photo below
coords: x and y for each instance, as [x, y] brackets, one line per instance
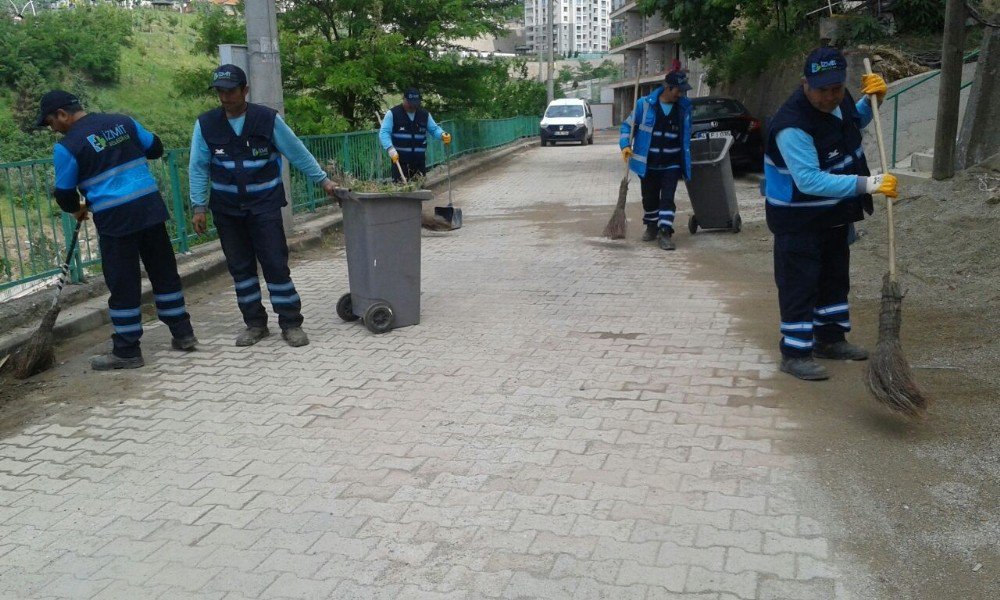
[825, 66]
[53, 101]
[412, 95]
[677, 79]
[228, 77]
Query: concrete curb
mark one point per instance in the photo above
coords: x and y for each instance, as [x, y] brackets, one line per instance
[85, 306]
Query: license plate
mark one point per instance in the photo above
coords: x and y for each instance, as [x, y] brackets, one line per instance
[562, 133]
[712, 134]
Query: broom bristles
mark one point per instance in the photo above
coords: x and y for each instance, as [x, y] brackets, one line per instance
[617, 227]
[37, 354]
[890, 379]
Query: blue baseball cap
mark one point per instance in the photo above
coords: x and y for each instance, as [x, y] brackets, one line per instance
[677, 79]
[53, 101]
[412, 95]
[825, 66]
[227, 77]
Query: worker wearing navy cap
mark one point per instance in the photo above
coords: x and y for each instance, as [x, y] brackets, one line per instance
[404, 132]
[236, 152]
[660, 153]
[104, 157]
[817, 184]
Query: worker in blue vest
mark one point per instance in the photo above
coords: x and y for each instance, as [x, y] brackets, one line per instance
[236, 165]
[105, 158]
[660, 153]
[404, 132]
[817, 184]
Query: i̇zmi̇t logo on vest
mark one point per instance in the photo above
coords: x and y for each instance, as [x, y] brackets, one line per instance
[108, 138]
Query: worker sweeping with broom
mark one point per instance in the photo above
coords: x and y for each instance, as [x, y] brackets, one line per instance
[105, 158]
[817, 184]
[660, 153]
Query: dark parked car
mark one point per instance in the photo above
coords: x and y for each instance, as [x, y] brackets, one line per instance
[715, 116]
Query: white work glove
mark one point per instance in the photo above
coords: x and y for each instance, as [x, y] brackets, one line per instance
[882, 184]
[393, 154]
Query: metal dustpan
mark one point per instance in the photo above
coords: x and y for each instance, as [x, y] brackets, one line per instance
[449, 214]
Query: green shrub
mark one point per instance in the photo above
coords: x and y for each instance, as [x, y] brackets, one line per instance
[864, 30]
[914, 16]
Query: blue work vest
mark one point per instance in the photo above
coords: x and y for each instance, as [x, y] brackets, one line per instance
[665, 147]
[113, 174]
[645, 113]
[838, 146]
[409, 137]
[245, 169]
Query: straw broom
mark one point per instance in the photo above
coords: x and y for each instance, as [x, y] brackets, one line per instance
[617, 226]
[890, 379]
[37, 354]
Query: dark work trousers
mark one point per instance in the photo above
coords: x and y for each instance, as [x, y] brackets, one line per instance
[412, 169]
[812, 271]
[658, 189]
[120, 260]
[246, 240]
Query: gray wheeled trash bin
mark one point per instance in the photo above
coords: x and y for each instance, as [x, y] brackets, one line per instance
[382, 236]
[711, 189]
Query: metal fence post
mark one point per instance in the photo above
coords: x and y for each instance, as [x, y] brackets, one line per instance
[75, 266]
[180, 220]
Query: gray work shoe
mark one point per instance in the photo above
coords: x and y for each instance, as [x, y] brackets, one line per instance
[108, 362]
[665, 240]
[252, 335]
[651, 232]
[804, 368]
[185, 344]
[842, 350]
[295, 337]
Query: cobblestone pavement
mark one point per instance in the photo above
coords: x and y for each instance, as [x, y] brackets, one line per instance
[573, 418]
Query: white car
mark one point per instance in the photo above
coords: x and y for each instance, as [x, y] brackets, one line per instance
[567, 120]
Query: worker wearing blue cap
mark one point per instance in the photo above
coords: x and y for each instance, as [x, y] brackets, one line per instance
[660, 153]
[404, 132]
[236, 152]
[817, 184]
[105, 157]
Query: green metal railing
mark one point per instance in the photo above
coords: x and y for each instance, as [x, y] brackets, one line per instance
[895, 101]
[34, 231]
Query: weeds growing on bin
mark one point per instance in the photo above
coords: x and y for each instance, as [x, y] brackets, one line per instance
[354, 184]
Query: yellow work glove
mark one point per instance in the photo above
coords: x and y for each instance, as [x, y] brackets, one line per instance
[882, 184]
[446, 138]
[874, 84]
[626, 153]
[393, 154]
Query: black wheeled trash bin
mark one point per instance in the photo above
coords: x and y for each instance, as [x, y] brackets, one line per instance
[711, 188]
[382, 236]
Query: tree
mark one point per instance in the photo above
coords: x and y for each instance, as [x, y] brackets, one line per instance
[349, 55]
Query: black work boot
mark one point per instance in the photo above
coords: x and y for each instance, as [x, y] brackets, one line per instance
[842, 350]
[252, 335]
[109, 362]
[295, 337]
[650, 234]
[185, 344]
[804, 368]
[665, 240]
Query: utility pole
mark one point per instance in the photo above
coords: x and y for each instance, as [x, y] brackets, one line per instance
[949, 94]
[549, 83]
[265, 74]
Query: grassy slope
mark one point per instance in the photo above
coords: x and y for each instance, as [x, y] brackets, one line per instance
[146, 87]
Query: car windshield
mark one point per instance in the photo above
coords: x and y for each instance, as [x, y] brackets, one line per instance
[716, 108]
[564, 110]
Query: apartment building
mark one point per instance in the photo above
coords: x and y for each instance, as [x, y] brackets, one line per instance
[650, 48]
[580, 26]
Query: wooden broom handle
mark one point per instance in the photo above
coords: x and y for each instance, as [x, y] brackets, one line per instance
[885, 165]
[635, 93]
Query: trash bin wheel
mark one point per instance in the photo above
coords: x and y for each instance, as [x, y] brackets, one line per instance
[737, 223]
[693, 225]
[378, 318]
[345, 310]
